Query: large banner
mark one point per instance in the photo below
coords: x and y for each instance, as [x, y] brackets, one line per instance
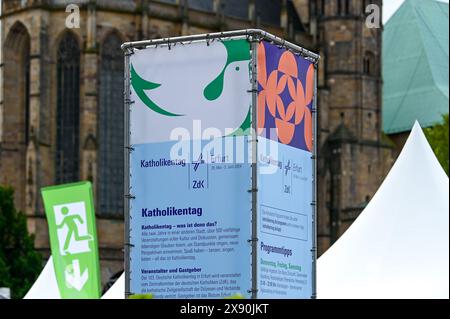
[285, 171]
[190, 212]
[73, 238]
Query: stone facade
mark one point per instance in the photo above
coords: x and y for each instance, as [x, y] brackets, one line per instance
[353, 158]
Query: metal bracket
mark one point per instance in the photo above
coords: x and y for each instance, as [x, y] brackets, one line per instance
[128, 294]
[254, 39]
[282, 45]
[252, 240]
[129, 196]
[256, 35]
[253, 190]
[129, 52]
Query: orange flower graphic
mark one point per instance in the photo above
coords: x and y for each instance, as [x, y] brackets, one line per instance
[271, 89]
[302, 97]
[287, 120]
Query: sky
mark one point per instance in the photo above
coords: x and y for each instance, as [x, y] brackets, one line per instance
[390, 6]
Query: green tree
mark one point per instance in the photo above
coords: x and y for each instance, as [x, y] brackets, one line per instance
[141, 296]
[437, 136]
[20, 264]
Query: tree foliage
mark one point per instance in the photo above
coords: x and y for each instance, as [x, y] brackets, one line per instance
[20, 264]
[437, 136]
[141, 296]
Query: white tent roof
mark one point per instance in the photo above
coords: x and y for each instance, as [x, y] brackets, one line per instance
[399, 245]
[117, 291]
[45, 287]
[397, 248]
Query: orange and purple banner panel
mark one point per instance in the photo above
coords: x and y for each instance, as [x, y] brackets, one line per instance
[285, 96]
[285, 124]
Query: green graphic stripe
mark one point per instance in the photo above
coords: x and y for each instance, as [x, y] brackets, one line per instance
[140, 85]
[243, 130]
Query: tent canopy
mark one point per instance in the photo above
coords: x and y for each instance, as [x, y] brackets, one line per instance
[45, 287]
[117, 291]
[399, 246]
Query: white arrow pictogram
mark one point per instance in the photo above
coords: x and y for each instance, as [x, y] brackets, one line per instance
[73, 276]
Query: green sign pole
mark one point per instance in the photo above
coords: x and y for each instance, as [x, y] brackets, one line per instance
[73, 239]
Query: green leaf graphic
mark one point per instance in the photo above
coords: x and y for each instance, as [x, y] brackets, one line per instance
[140, 85]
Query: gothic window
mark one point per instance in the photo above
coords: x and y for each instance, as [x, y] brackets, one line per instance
[26, 77]
[322, 7]
[15, 128]
[68, 110]
[369, 63]
[343, 7]
[111, 135]
[346, 7]
[235, 8]
[269, 11]
[205, 5]
[17, 83]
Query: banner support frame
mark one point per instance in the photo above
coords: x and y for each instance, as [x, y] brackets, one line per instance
[253, 33]
[254, 37]
[127, 150]
[314, 188]
[254, 63]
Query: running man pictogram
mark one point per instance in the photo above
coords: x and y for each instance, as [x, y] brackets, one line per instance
[72, 228]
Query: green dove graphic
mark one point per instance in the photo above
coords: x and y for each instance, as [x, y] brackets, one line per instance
[237, 50]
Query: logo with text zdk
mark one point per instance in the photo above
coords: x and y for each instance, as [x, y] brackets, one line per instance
[287, 178]
[198, 174]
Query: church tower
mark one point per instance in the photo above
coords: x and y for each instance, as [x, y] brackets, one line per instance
[352, 149]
